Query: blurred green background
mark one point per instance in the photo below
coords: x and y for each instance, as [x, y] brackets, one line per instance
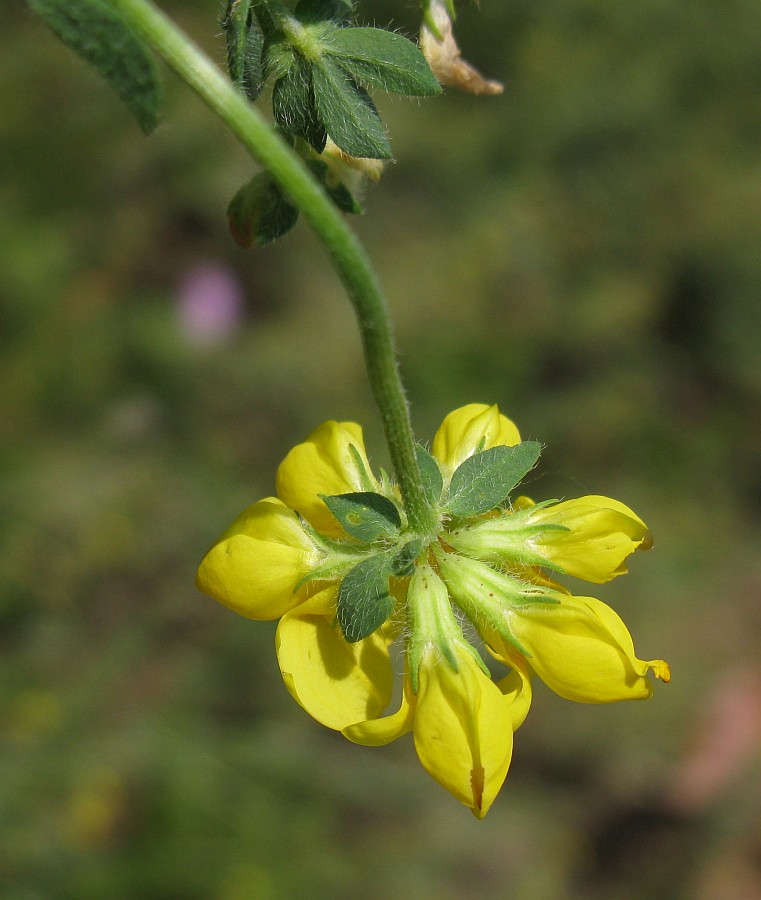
[584, 251]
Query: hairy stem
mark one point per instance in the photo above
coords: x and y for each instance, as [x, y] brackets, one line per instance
[345, 251]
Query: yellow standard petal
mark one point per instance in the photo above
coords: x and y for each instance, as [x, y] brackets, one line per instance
[466, 429]
[331, 461]
[337, 683]
[601, 534]
[255, 565]
[463, 729]
[582, 650]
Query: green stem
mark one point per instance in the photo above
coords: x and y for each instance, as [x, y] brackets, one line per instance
[347, 254]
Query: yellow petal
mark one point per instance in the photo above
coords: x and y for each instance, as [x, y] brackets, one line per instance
[377, 732]
[602, 533]
[335, 682]
[516, 688]
[463, 430]
[324, 464]
[463, 729]
[255, 564]
[582, 650]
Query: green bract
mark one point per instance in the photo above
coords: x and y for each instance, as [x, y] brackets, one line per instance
[485, 479]
[365, 515]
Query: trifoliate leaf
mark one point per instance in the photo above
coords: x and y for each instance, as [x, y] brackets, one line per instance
[310, 12]
[430, 473]
[485, 479]
[97, 33]
[366, 516]
[293, 104]
[245, 42]
[364, 602]
[348, 113]
[382, 59]
[260, 213]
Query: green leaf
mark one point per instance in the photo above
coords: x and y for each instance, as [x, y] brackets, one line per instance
[364, 601]
[403, 562]
[348, 113]
[260, 213]
[97, 33]
[485, 479]
[337, 190]
[293, 105]
[366, 516]
[382, 59]
[245, 42]
[433, 482]
[311, 12]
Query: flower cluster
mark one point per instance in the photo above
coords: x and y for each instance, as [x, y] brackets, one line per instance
[334, 559]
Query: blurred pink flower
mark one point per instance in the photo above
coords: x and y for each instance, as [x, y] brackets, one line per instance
[209, 303]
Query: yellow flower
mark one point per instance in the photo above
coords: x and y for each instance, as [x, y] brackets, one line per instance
[589, 537]
[577, 645]
[582, 650]
[334, 558]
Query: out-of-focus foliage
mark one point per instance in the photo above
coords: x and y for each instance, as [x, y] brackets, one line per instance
[584, 251]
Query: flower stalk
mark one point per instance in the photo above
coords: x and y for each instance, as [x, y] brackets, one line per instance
[344, 249]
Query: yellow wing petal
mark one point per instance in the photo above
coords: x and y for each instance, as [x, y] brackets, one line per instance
[337, 683]
[377, 732]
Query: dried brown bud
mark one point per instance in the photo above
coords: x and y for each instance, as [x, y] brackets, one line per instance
[440, 49]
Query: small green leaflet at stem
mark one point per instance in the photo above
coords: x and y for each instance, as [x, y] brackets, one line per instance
[245, 42]
[364, 515]
[260, 212]
[485, 479]
[382, 59]
[403, 561]
[96, 33]
[364, 601]
[337, 190]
